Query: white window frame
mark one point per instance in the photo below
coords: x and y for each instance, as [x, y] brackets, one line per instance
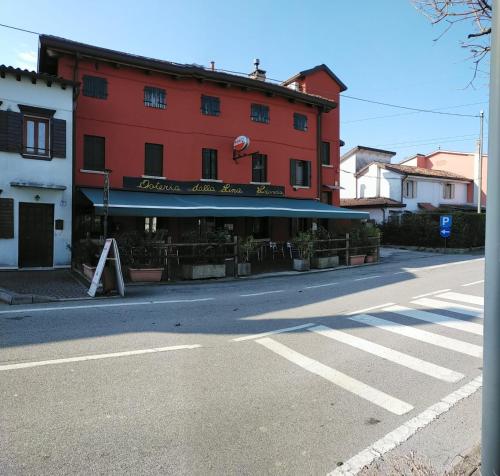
[406, 193]
[452, 191]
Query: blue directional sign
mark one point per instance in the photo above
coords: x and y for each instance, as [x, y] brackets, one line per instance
[445, 221]
[445, 232]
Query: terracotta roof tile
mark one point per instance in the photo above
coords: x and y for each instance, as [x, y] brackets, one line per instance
[370, 202]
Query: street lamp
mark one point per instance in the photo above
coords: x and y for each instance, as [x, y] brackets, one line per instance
[105, 194]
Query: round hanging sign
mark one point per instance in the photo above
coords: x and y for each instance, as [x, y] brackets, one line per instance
[241, 143]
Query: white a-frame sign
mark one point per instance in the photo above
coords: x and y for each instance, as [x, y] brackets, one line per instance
[110, 251]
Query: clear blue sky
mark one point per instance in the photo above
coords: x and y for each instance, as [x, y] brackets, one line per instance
[383, 50]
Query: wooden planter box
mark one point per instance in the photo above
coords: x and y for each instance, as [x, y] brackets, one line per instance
[145, 275]
[88, 271]
[325, 262]
[244, 269]
[203, 271]
[356, 259]
[301, 264]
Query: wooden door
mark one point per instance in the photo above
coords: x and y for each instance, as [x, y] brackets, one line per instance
[36, 235]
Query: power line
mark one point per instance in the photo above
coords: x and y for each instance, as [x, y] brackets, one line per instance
[20, 29]
[411, 113]
[416, 142]
[430, 111]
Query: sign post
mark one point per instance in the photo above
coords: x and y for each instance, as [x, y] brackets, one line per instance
[445, 222]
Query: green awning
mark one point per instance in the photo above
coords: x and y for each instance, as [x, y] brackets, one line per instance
[126, 203]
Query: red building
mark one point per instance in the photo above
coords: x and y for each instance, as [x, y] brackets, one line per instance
[166, 133]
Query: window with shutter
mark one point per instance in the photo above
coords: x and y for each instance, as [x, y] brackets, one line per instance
[6, 218]
[259, 113]
[259, 168]
[155, 97]
[58, 138]
[95, 87]
[210, 105]
[299, 122]
[36, 136]
[93, 152]
[325, 153]
[209, 164]
[153, 160]
[300, 173]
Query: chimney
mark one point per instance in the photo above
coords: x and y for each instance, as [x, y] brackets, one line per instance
[212, 65]
[258, 74]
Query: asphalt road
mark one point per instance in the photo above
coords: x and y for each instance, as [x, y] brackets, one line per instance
[180, 379]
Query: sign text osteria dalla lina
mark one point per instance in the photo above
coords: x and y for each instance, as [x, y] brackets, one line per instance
[203, 188]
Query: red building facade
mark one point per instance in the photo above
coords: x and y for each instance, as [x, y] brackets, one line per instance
[156, 125]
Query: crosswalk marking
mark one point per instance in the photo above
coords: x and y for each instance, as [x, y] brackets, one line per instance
[468, 298]
[439, 319]
[340, 379]
[391, 355]
[421, 335]
[449, 306]
[276, 331]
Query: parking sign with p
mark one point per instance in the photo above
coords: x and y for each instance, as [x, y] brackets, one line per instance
[445, 221]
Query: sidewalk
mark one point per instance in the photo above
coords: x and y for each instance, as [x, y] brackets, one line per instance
[25, 287]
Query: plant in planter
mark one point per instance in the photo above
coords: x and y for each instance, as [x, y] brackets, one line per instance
[304, 243]
[324, 254]
[142, 255]
[364, 244]
[86, 256]
[246, 247]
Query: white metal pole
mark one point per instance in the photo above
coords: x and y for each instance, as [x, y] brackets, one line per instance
[491, 377]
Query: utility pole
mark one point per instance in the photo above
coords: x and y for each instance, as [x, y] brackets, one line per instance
[491, 349]
[480, 165]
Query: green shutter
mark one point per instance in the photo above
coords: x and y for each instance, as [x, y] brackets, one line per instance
[293, 169]
[308, 173]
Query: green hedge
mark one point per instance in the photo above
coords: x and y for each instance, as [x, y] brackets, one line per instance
[422, 229]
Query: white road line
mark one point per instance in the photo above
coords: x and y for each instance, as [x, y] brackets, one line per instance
[391, 355]
[320, 285]
[439, 319]
[354, 465]
[40, 363]
[421, 335]
[474, 282]
[366, 309]
[94, 306]
[262, 293]
[444, 265]
[350, 384]
[468, 298]
[278, 331]
[450, 306]
[368, 277]
[430, 294]
[401, 272]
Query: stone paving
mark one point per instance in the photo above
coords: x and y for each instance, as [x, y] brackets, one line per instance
[55, 284]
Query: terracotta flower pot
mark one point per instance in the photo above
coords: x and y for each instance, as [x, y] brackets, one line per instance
[145, 275]
[356, 259]
[88, 271]
[370, 259]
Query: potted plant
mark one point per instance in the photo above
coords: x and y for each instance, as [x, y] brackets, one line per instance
[246, 247]
[86, 255]
[324, 255]
[304, 244]
[363, 248]
[207, 260]
[142, 255]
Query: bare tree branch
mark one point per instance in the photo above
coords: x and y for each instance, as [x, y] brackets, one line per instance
[477, 12]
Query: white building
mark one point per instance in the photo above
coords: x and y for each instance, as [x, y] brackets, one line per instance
[384, 189]
[36, 167]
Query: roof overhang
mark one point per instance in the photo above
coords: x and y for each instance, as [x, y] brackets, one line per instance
[52, 45]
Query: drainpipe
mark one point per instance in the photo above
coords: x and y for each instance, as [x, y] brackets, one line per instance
[76, 93]
[318, 148]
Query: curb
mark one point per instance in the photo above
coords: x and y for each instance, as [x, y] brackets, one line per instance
[445, 251]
